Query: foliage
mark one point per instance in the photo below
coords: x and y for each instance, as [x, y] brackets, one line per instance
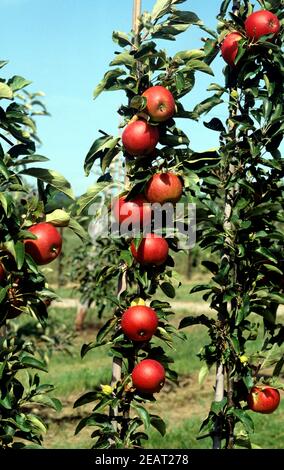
[23, 288]
[246, 230]
[138, 66]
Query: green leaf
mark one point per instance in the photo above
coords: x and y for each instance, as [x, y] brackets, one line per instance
[195, 320]
[5, 91]
[205, 106]
[88, 397]
[158, 424]
[244, 418]
[108, 326]
[121, 38]
[124, 58]
[267, 254]
[196, 64]
[215, 125]
[34, 363]
[160, 8]
[17, 83]
[54, 179]
[20, 254]
[143, 414]
[168, 289]
[100, 149]
[45, 400]
[218, 406]
[77, 229]
[86, 199]
[108, 80]
[30, 159]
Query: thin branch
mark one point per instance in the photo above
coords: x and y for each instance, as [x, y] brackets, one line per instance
[6, 139]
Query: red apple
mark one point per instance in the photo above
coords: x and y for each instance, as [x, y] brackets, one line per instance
[151, 250]
[230, 47]
[140, 138]
[148, 376]
[137, 208]
[261, 23]
[47, 246]
[160, 103]
[139, 323]
[164, 187]
[2, 272]
[263, 399]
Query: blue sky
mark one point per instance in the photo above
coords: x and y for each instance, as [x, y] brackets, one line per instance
[64, 47]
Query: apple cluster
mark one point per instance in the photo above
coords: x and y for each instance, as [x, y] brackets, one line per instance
[258, 24]
[140, 137]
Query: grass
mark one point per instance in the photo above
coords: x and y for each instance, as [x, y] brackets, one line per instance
[183, 406]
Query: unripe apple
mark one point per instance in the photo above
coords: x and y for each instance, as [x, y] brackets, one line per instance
[47, 246]
[137, 208]
[140, 138]
[263, 399]
[230, 47]
[139, 323]
[148, 376]
[151, 250]
[160, 103]
[164, 187]
[260, 23]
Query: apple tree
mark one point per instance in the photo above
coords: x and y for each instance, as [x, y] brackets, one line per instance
[23, 287]
[241, 220]
[144, 266]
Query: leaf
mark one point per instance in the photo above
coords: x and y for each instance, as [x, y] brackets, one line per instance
[143, 414]
[107, 81]
[160, 8]
[204, 371]
[108, 326]
[215, 125]
[195, 320]
[20, 254]
[17, 83]
[158, 424]
[54, 179]
[200, 65]
[124, 58]
[86, 199]
[99, 149]
[5, 91]
[30, 159]
[267, 254]
[121, 38]
[205, 106]
[34, 363]
[45, 400]
[244, 418]
[218, 406]
[88, 397]
[78, 229]
[168, 289]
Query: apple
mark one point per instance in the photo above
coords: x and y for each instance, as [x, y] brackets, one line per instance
[230, 47]
[148, 376]
[261, 23]
[164, 187]
[263, 399]
[2, 272]
[151, 250]
[139, 323]
[137, 208]
[140, 138]
[160, 103]
[47, 246]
